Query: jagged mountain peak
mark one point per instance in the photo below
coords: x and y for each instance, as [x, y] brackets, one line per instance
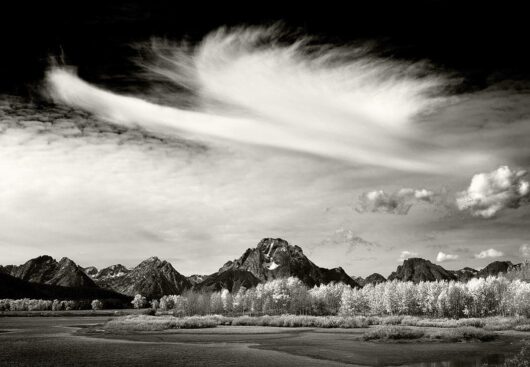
[152, 261]
[495, 268]
[152, 278]
[274, 258]
[46, 270]
[112, 271]
[91, 271]
[67, 262]
[417, 270]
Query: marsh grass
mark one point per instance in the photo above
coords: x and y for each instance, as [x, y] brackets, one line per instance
[393, 332]
[303, 321]
[495, 323]
[164, 322]
[159, 323]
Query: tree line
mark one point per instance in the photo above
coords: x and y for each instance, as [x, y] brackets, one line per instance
[506, 295]
[478, 297]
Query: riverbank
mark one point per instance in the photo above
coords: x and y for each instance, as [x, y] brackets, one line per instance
[76, 341]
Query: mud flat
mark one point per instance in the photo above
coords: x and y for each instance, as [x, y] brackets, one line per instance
[69, 341]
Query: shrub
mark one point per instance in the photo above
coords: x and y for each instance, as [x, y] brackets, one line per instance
[447, 335]
[149, 312]
[522, 359]
[158, 323]
[96, 304]
[393, 333]
[524, 327]
[139, 301]
[462, 334]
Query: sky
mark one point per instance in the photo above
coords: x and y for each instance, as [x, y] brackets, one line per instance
[127, 133]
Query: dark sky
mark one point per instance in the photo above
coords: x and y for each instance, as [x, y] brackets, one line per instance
[483, 42]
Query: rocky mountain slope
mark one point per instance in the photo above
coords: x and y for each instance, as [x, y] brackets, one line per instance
[274, 258]
[196, 278]
[47, 270]
[15, 288]
[152, 278]
[417, 270]
[231, 279]
[374, 278]
[496, 268]
[91, 271]
[465, 274]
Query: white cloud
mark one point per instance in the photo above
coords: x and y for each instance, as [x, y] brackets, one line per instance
[350, 239]
[253, 88]
[525, 250]
[492, 192]
[398, 202]
[490, 253]
[442, 256]
[407, 255]
[72, 185]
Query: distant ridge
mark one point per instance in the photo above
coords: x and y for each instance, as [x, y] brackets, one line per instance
[420, 270]
[152, 278]
[47, 270]
[15, 288]
[272, 258]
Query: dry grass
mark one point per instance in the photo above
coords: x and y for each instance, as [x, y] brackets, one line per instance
[303, 321]
[393, 332]
[496, 323]
[524, 327]
[158, 323]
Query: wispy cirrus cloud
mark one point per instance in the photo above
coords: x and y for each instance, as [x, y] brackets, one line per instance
[253, 87]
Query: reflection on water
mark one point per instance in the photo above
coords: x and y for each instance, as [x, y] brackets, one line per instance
[490, 360]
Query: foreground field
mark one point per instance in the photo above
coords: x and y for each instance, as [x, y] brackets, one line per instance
[40, 341]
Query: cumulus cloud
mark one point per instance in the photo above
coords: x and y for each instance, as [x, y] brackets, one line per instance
[525, 250]
[407, 255]
[490, 253]
[442, 256]
[397, 202]
[254, 88]
[489, 193]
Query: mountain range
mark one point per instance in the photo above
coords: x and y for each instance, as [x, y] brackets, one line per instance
[272, 258]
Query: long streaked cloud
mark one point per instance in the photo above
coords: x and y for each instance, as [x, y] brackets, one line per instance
[255, 89]
[489, 193]
[397, 202]
[490, 253]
